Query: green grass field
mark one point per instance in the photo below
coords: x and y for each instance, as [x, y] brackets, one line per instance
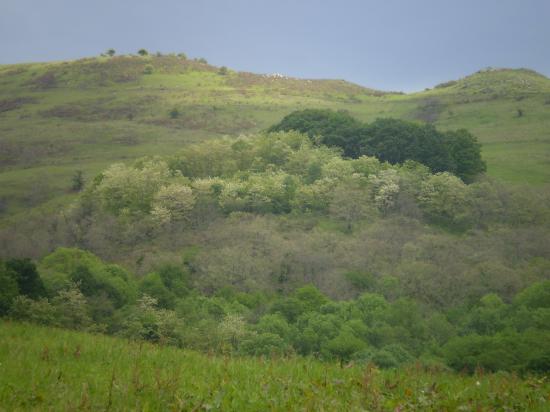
[56, 118]
[50, 369]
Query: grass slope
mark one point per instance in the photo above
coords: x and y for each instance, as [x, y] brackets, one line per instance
[56, 118]
[50, 369]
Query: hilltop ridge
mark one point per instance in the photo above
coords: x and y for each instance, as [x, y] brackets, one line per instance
[100, 71]
[493, 83]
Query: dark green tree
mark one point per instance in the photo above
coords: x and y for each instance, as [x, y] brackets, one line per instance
[465, 152]
[396, 141]
[27, 277]
[8, 288]
[390, 140]
[337, 129]
[87, 283]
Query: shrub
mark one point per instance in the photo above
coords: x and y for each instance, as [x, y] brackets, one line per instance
[263, 344]
[77, 181]
[174, 113]
[36, 311]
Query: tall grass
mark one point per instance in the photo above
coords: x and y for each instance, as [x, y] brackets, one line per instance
[50, 369]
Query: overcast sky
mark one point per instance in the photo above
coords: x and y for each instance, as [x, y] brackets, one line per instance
[386, 44]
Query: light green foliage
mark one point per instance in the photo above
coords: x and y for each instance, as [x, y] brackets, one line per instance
[71, 309]
[264, 344]
[172, 203]
[94, 277]
[311, 298]
[444, 199]
[146, 321]
[232, 330]
[344, 345]
[275, 324]
[268, 193]
[38, 311]
[127, 190]
[385, 189]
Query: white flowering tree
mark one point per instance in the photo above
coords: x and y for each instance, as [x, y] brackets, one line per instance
[385, 189]
[172, 203]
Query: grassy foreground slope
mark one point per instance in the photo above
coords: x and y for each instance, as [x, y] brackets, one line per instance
[56, 118]
[51, 369]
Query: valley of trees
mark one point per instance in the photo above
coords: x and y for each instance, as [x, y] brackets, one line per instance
[275, 244]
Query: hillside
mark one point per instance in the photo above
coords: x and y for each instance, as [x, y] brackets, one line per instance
[71, 370]
[57, 118]
[364, 263]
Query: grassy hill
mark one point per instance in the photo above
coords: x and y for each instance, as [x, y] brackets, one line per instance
[50, 369]
[57, 118]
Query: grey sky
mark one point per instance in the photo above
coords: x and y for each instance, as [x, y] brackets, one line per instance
[386, 44]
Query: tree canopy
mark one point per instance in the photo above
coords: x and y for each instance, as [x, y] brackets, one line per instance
[390, 140]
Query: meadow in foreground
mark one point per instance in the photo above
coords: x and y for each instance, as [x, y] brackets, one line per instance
[51, 369]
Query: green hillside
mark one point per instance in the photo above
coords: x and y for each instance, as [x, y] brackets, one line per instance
[57, 118]
[50, 369]
[246, 254]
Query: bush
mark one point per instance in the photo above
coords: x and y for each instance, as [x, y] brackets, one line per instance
[36, 311]
[264, 344]
[344, 346]
[77, 181]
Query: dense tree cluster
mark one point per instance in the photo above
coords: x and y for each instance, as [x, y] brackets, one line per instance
[272, 244]
[84, 293]
[281, 173]
[391, 140]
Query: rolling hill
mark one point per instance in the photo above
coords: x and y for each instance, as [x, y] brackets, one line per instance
[60, 117]
[242, 270]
